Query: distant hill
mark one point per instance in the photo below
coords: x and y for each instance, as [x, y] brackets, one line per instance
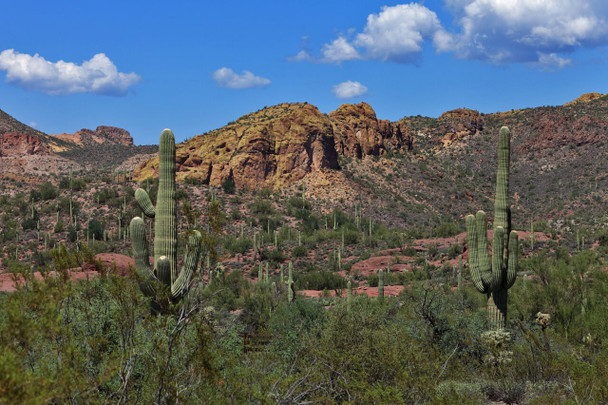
[24, 149]
[418, 169]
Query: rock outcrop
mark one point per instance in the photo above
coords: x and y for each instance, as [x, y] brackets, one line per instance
[279, 145]
[272, 147]
[459, 123]
[358, 133]
[17, 144]
[102, 134]
[585, 98]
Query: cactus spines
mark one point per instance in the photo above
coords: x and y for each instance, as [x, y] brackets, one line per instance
[165, 230]
[494, 276]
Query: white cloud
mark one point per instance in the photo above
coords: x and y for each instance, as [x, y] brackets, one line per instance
[226, 77]
[97, 75]
[301, 56]
[339, 51]
[349, 89]
[539, 33]
[527, 31]
[33, 124]
[397, 33]
[551, 61]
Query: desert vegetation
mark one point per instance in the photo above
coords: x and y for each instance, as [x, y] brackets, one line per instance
[275, 296]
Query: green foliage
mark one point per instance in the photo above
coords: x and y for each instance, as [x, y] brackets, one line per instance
[228, 185]
[261, 206]
[96, 229]
[319, 280]
[47, 191]
[446, 229]
[237, 245]
[275, 256]
[299, 251]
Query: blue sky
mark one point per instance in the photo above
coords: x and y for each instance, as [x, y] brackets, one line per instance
[195, 66]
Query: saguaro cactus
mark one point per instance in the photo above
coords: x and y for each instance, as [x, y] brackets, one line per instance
[380, 284]
[494, 277]
[290, 286]
[165, 229]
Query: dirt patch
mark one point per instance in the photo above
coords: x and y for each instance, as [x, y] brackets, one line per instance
[9, 283]
[389, 290]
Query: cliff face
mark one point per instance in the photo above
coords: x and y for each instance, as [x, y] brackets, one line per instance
[279, 145]
[358, 133]
[101, 135]
[17, 144]
[272, 147]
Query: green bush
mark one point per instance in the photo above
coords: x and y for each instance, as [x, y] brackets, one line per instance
[47, 191]
[228, 185]
[299, 251]
[319, 280]
[447, 229]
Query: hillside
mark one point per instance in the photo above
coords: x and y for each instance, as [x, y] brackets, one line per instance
[25, 150]
[418, 171]
[349, 243]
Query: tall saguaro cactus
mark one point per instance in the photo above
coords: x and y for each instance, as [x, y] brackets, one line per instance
[496, 275]
[165, 229]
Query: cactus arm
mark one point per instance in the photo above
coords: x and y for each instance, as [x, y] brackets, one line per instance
[193, 250]
[163, 270]
[473, 257]
[513, 258]
[143, 201]
[497, 262]
[142, 257]
[485, 265]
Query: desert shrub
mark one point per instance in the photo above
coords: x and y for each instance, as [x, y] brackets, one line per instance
[47, 191]
[237, 245]
[264, 192]
[261, 206]
[272, 255]
[298, 203]
[410, 251]
[95, 229]
[454, 250]
[446, 229]
[299, 251]
[228, 185]
[105, 194]
[351, 236]
[319, 280]
[29, 223]
[433, 250]
[310, 223]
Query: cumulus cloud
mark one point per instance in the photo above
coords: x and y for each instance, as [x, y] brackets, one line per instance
[97, 75]
[349, 89]
[536, 32]
[539, 33]
[303, 55]
[551, 61]
[397, 33]
[226, 77]
[339, 51]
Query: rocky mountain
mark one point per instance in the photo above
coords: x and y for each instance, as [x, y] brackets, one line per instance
[101, 135]
[279, 145]
[24, 149]
[417, 170]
